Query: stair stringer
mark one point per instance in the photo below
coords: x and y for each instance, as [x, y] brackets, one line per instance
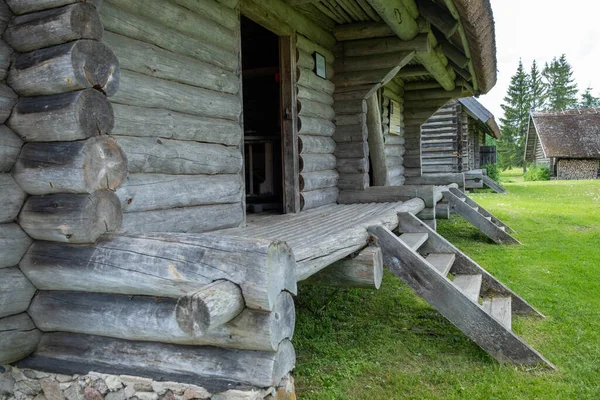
[463, 264]
[481, 210]
[451, 302]
[487, 227]
[492, 184]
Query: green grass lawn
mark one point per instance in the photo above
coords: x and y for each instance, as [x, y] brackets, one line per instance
[390, 344]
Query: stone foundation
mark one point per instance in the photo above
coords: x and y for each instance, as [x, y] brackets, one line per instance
[27, 384]
[577, 169]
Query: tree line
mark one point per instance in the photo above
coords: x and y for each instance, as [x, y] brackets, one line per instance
[550, 88]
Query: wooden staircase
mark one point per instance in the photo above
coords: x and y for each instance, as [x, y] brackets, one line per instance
[492, 184]
[479, 217]
[463, 292]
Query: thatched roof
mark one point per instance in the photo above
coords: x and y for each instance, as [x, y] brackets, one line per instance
[568, 134]
[476, 110]
[478, 20]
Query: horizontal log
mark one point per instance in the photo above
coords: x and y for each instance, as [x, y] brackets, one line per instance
[175, 18]
[358, 181]
[400, 16]
[358, 119]
[427, 214]
[6, 54]
[364, 270]
[18, 338]
[144, 192]
[71, 167]
[351, 133]
[315, 145]
[315, 96]
[385, 45]
[373, 61]
[62, 117]
[143, 318]
[310, 80]
[135, 265]
[382, 194]
[54, 26]
[194, 219]
[161, 123]
[71, 218]
[145, 91]
[442, 211]
[318, 180]
[8, 98]
[395, 161]
[350, 106]
[72, 66]
[316, 162]
[12, 198]
[365, 77]
[315, 126]
[394, 150]
[394, 140]
[10, 147]
[395, 171]
[315, 110]
[352, 150]
[209, 307]
[27, 6]
[307, 61]
[318, 198]
[118, 20]
[397, 180]
[221, 14]
[15, 291]
[13, 244]
[353, 165]
[70, 354]
[310, 46]
[438, 179]
[439, 17]
[164, 156]
[362, 30]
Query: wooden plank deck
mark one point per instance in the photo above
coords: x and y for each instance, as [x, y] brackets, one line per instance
[321, 236]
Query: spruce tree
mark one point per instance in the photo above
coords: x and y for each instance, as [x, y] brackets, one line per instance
[537, 88]
[562, 89]
[588, 100]
[515, 121]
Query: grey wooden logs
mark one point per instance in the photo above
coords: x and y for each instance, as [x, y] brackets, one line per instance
[27, 6]
[165, 265]
[18, 338]
[71, 218]
[11, 198]
[318, 180]
[13, 244]
[8, 98]
[72, 353]
[62, 117]
[71, 167]
[382, 194]
[209, 307]
[315, 126]
[72, 66]
[54, 26]
[6, 53]
[144, 192]
[15, 291]
[145, 318]
[317, 162]
[10, 147]
[364, 270]
[164, 156]
[317, 198]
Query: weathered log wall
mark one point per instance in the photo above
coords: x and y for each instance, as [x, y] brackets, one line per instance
[442, 140]
[392, 114]
[177, 113]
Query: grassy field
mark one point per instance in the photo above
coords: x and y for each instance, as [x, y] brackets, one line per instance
[390, 344]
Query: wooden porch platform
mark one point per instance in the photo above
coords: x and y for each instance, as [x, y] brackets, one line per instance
[321, 236]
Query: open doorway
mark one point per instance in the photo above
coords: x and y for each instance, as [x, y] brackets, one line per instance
[262, 118]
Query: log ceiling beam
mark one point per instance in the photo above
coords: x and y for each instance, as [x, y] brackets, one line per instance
[453, 53]
[362, 30]
[413, 71]
[437, 64]
[399, 15]
[439, 17]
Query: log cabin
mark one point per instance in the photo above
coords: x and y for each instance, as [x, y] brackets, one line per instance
[172, 169]
[568, 142]
[453, 140]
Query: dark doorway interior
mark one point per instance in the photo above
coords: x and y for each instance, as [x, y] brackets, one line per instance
[262, 118]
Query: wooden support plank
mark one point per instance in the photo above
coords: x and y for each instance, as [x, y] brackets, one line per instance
[362, 30]
[383, 194]
[414, 240]
[12, 198]
[135, 265]
[15, 291]
[53, 27]
[438, 17]
[376, 143]
[72, 218]
[18, 338]
[71, 167]
[364, 270]
[145, 319]
[465, 314]
[499, 308]
[480, 209]
[469, 284]
[442, 262]
[69, 353]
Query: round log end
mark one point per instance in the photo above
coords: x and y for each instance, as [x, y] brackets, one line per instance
[281, 267]
[283, 319]
[96, 66]
[95, 113]
[377, 268]
[302, 202]
[106, 164]
[85, 21]
[19, 338]
[13, 244]
[214, 305]
[284, 361]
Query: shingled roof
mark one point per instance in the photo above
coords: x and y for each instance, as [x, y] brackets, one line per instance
[568, 134]
[478, 111]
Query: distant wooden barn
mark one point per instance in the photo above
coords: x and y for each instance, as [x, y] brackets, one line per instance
[453, 139]
[566, 141]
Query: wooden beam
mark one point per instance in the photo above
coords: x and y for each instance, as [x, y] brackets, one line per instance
[440, 18]
[354, 48]
[412, 71]
[399, 15]
[425, 85]
[453, 53]
[362, 30]
[376, 142]
[387, 194]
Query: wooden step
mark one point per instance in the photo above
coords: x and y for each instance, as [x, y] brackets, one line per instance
[475, 208]
[414, 240]
[462, 199]
[499, 308]
[441, 261]
[488, 218]
[470, 284]
[502, 228]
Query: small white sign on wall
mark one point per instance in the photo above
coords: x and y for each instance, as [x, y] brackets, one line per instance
[320, 65]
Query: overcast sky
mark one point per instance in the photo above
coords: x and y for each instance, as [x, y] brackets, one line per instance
[541, 30]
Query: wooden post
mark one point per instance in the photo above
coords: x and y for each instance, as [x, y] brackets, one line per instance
[376, 144]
